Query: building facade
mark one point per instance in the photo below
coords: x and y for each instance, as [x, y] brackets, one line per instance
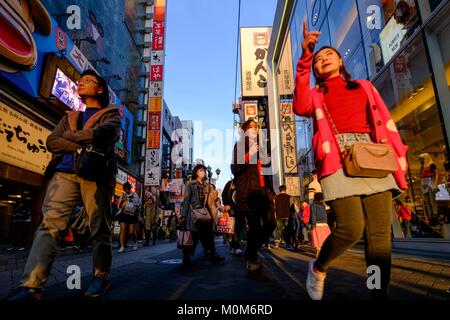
[402, 47]
[67, 38]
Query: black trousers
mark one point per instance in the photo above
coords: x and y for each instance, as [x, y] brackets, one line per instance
[260, 223]
[204, 234]
[357, 216]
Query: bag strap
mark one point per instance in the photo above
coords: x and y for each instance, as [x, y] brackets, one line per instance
[204, 203]
[330, 120]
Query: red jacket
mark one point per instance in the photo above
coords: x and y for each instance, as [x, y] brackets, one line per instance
[309, 103]
[306, 214]
[403, 212]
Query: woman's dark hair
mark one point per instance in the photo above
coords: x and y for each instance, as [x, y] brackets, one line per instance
[196, 168]
[103, 97]
[342, 70]
[246, 125]
[318, 197]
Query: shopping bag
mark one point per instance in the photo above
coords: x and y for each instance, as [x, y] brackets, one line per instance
[184, 239]
[225, 224]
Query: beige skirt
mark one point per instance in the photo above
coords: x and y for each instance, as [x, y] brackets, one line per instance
[338, 185]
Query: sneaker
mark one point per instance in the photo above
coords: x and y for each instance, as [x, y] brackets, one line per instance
[232, 251]
[10, 249]
[121, 250]
[26, 294]
[315, 282]
[135, 247]
[99, 285]
[238, 252]
[21, 248]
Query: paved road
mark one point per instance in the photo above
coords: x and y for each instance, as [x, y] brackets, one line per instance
[156, 273]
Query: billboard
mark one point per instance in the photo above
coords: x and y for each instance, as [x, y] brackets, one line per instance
[124, 145]
[22, 141]
[254, 47]
[288, 137]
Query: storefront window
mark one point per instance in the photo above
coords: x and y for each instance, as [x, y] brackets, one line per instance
[345, 34]
[428, 6]
[407, 89]
[442, 34]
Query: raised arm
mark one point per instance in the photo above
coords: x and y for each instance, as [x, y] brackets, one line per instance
[302, 102]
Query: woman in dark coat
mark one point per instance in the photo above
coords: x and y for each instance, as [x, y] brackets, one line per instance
[195, 197]
[252, 197]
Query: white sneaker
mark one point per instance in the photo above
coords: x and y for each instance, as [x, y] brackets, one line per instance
[315, 282]
[135, 247]
[21, 248]
[121, 250]
[237, 251]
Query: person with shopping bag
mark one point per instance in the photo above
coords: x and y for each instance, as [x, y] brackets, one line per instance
[359, 156]
[319, 230]
[197, 216]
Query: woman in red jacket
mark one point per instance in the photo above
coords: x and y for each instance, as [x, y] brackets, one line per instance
[344, 112]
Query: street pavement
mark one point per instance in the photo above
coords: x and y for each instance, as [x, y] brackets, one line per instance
[156, 273]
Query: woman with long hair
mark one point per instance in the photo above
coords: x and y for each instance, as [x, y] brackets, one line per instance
[252, 195]
[344, 112]
[196, 196]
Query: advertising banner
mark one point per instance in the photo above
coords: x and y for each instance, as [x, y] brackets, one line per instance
[254, 46]
[22, 141]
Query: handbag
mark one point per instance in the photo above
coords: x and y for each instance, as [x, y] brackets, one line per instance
[368, 160]
[184, 239]
[201, 215]
[92, 164]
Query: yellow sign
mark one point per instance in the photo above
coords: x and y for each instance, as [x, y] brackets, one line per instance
[160, 3]
[22, 141]
[155, 104]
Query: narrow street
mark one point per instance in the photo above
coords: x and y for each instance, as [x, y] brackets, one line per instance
[156, 273]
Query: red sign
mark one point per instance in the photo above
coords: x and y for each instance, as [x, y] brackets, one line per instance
[60, 38]
[261, 39]
[159, 13]
[131, 180]
[156, 73]
[250, 109]
[153, 139]
[158, 28]
[154, 120]
[286, 109]
[157, 42]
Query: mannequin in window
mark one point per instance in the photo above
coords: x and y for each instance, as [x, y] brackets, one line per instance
[428, 184]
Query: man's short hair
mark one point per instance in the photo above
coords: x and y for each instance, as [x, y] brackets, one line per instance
[103, 97]
[282, 188]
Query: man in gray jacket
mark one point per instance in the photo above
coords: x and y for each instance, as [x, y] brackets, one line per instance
[72, 177]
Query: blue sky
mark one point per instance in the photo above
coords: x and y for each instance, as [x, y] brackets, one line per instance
[200, 66]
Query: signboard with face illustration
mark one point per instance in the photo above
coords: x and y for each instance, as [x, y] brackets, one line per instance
[22, 141]
[254, 47]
